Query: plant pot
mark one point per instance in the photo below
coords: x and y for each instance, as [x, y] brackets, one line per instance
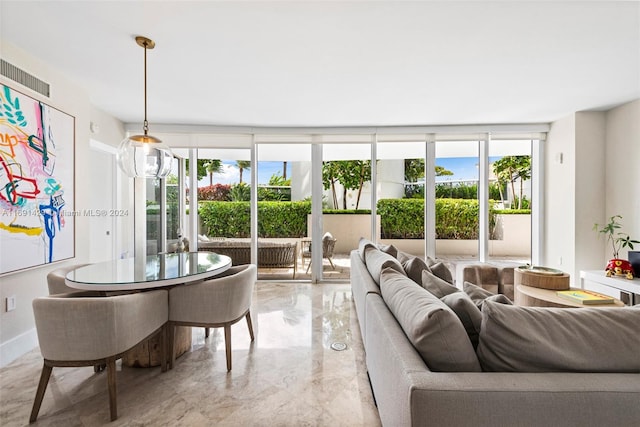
[619, 267]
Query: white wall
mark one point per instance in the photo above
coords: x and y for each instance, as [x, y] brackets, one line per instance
[590, 190]
[559, 203]
[598, 178]
[622, 190]
[17, 334]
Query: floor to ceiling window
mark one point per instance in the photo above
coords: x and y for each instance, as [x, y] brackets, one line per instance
[347, 173]
[401, 191]
[163, 217]
[510, 179]
[479, 189]
[284, 207]
[457, 208]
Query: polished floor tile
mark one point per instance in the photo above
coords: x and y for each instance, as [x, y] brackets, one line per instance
[289, 376]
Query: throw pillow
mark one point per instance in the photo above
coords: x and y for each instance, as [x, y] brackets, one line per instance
[467, 312]
[390, 249]
[534, 339]
[413, 268]
[363, 245]
[476, 293]
[377, 260]
[436, 285]
[432, 327]
[442, 271]
[404, 256]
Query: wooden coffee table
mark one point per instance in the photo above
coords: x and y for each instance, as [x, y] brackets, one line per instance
[536, 297]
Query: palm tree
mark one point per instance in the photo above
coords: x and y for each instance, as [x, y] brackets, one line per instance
[242, 165]
[213, 166]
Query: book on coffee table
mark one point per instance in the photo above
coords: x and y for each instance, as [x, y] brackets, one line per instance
[585, 297]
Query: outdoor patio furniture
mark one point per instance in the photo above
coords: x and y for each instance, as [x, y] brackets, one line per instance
[270, 254]
[328, 243]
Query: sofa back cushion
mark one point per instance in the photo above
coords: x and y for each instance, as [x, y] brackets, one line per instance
[363, 245]
[478, 295]
[436, 285]
[413, 268]
[432, 328]
[467, 312]
[534, 339]
[376, 261]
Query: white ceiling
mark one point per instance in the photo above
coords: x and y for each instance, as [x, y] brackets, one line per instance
[332, 63]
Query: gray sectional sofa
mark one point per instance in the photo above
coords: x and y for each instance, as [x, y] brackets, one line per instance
[414, 386]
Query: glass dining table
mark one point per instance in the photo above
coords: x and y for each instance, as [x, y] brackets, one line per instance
[153, 271]
[144, 273]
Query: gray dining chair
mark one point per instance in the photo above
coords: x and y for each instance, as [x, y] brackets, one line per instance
[215, 303]
[55, 279]
[74, 330]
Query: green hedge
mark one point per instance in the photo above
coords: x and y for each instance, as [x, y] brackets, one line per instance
[455, 218]
[275, 219]
[400, 218]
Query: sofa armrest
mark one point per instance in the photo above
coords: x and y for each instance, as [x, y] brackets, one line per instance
[524, 399]
[390, 361]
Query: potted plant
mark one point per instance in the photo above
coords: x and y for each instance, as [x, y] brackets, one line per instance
[618, 240]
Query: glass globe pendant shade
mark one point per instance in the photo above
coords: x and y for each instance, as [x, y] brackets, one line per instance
[144, 156]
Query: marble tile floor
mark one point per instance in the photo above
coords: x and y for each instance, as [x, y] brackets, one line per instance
[289, 376]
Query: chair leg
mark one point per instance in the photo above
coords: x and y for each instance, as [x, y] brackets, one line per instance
[206, 333]
[308, 267]
[42, 387]
[227, 344]
[250, 325]
[163, 348]
[170, 344]
[111, 383]
[331, 262]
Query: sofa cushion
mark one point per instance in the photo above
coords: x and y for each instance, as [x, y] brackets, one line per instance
[376, 261]
[442, 271]
[478, 295]
[534, 339]
[404, 256]
[413, 268]
[432, 327]
[363, 245]
[390, 249]
[436, 285]
[468, 313]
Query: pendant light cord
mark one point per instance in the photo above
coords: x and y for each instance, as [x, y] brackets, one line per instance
[145, 125]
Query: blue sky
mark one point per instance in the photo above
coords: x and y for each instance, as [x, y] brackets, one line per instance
[463, 168]
[231, 174]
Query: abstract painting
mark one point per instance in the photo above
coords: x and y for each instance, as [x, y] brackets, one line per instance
[37, 143]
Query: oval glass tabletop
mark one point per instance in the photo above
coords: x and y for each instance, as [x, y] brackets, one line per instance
[150, 272]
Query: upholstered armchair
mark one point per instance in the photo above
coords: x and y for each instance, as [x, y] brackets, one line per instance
[55, 279]
[74, 330]
[216, 303]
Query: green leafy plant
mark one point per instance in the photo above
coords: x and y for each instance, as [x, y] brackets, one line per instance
[617, 239]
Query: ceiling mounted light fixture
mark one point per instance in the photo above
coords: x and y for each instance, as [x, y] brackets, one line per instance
[144, 156]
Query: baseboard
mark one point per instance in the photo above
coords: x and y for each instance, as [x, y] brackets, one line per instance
[14, 348]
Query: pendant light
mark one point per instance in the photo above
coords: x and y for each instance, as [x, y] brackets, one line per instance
[144, 156]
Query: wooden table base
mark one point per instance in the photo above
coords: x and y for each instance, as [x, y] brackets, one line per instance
[147, 354]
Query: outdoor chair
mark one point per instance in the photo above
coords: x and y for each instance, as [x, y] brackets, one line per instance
[328, 244]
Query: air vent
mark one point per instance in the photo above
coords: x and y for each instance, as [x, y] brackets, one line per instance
[14, 73]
